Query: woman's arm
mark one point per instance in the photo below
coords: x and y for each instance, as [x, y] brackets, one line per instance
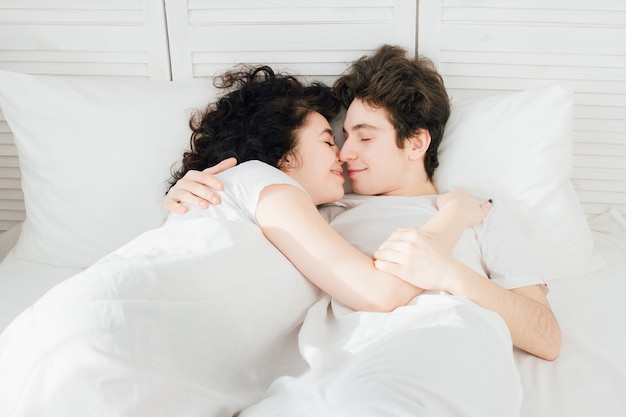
[295, 227]
[293, 224]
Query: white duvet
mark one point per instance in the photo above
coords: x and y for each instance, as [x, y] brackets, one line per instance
[439, 356]
[198, 318]
[191, 319]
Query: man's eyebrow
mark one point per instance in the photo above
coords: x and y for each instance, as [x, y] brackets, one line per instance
[362, 126]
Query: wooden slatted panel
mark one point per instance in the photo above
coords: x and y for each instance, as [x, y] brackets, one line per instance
[489, 46]
[314, 39]
[84, 37]
[118, 38]
[11, 197]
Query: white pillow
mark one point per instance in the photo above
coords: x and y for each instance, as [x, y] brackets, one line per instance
[95, 157]
[517, 147]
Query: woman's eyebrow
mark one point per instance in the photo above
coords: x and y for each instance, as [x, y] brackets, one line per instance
[327, 131]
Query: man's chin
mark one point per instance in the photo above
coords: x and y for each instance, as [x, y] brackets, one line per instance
[361, 190]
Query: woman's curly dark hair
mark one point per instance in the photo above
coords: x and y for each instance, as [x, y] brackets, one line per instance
[256, 119]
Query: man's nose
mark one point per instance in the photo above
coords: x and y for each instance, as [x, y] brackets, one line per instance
[346, 153]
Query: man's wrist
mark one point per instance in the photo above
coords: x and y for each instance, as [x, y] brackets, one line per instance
[455, 277]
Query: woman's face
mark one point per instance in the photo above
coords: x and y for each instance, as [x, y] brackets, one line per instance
[316, 166]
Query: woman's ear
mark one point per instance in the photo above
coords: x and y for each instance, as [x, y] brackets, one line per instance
[418, 144]
[286, 163]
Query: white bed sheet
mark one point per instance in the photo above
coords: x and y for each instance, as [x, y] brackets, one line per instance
[23, 282]
[589, 378]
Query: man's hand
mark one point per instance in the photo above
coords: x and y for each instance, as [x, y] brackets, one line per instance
[417, 257]
[422, 256]
[197, 188]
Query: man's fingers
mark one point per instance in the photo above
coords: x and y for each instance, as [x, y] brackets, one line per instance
[197, 188]
[222, 166]
[180, 209]
[198, 194]
[191, 194]
[389, 267]
[389, 255]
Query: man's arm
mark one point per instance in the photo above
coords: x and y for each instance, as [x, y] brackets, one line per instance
[525, 310]
[197, 188]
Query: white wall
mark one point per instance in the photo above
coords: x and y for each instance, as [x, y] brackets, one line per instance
[488, 46]
[172, 39]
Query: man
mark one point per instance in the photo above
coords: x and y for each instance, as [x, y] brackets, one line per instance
[397, 108]
[441, 354]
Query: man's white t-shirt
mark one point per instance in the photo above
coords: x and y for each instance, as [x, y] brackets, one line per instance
[496, 248]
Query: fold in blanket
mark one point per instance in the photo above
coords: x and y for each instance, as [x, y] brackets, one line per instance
[190, 319]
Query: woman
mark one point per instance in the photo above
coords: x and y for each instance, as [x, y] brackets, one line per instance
[278, 131]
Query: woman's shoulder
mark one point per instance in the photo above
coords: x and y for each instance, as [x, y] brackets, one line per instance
[255, 166]
[253, 176]
[250, 170]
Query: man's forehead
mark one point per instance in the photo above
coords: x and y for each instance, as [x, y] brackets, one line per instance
[362, 115]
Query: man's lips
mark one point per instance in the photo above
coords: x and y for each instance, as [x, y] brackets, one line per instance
[352, 172]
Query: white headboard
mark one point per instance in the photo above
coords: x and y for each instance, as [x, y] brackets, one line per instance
[317, 39]
[489, 46]
[481, 47]
[173, 39]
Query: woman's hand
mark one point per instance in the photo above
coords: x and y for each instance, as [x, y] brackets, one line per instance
[197, 188]
[465, 204]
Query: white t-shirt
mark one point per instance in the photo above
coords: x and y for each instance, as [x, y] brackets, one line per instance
[496, 248]
[242, 186]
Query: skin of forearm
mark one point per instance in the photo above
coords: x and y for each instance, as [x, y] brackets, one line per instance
[396, 294]
[532, 324]
[323, 256]
[446, 226]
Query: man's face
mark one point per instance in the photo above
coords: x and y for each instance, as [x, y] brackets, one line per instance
[374, 162]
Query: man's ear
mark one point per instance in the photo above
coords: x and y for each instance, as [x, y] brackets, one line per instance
[418, 144]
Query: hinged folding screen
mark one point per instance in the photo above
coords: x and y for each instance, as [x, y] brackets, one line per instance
[173, 39]
[489, 46]
[317, 39]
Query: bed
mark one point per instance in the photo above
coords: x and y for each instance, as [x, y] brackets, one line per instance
[96, 140]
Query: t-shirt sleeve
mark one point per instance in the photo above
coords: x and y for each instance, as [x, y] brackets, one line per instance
[252, 177]
[509, 262]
